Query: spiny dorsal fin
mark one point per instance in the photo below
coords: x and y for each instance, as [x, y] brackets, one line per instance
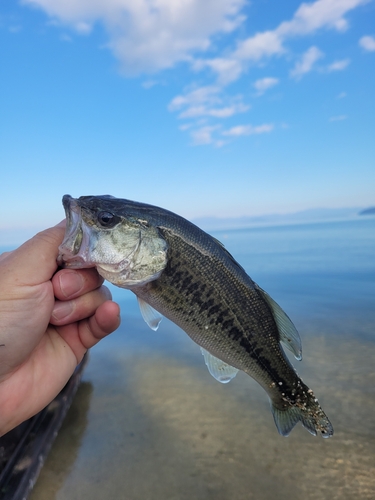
[288, 332]
[218, 369]
[149, 314]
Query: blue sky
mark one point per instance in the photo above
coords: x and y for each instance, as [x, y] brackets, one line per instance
[217, 108]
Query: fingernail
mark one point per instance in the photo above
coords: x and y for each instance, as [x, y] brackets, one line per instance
[61, 310]
[71, 283]
[107, 292]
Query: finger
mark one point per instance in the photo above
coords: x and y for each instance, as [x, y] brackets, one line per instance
[70, 311]
[35, 261]
[105, 321]
[88, 332]
[71, 283]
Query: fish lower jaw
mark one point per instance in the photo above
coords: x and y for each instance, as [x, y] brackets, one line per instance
[125, 277]
[74, 263]
[117, 274]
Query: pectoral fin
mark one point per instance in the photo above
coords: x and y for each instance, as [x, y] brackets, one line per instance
[218, 369]
[288, 333]
[149, 314]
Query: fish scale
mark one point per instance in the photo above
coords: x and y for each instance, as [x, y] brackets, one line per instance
[185, 274]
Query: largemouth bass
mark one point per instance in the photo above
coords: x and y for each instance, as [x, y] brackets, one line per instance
[179, 271]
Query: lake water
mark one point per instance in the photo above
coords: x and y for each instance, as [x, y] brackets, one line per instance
[149, 422]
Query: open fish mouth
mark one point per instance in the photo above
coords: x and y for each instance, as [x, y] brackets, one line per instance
[74, 249]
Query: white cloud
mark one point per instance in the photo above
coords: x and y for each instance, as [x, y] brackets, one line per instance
[83, 28]
[341, 95]
[206, 95]
[264, 84]
[307, 62]
[249, 130]
[203, 135]
[149, 35]
[367, 43]
[227, 70]
[338, 65]
[260, 45]
[207, 101]
[309, 18]
[185, 126]
[148, 84]
[223, 112]
[209, 134]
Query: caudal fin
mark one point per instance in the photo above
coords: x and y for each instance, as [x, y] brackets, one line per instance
[311, 416]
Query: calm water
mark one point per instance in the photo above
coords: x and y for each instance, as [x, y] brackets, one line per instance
[149, 422]
[317, 272]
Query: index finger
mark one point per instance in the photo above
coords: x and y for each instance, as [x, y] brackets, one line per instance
[71, 283]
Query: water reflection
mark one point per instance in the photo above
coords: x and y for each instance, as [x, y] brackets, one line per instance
[65, 449]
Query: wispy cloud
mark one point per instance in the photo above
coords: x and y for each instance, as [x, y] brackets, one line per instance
[306, 63]
[221, 112]
[83, 27]
[341, 95]
[148, 84]
[249, 130]
[212, 134]
[207, 101]
[208, 94]
[259, 46]
[367, 43]
[264, 84]
[149, 36]
[226, 70]
[308, 19]
[204, 135]
[338, 65]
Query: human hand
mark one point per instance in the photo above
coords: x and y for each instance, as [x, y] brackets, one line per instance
[47, 323]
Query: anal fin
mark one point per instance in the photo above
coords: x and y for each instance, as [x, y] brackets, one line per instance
[219, 370]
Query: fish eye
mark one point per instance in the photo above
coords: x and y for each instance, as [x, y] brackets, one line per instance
[108, 220]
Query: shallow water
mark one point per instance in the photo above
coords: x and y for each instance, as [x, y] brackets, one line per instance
[149, 422]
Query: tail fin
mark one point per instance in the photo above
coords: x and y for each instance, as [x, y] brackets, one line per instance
[311, 416]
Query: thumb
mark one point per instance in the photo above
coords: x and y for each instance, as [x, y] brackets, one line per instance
[34, 262]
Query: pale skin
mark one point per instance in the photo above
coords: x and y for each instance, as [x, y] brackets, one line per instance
[48, 320]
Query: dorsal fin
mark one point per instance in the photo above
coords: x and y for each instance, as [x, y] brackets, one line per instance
[288, 332]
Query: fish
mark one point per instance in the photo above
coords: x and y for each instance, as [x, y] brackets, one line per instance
[179, 271]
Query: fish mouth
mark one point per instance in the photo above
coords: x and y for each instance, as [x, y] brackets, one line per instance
[74, 249]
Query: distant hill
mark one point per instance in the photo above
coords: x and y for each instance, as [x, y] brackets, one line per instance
[312, 215]
[367, 211]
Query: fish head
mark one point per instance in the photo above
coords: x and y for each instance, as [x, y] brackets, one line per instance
[124, 247]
